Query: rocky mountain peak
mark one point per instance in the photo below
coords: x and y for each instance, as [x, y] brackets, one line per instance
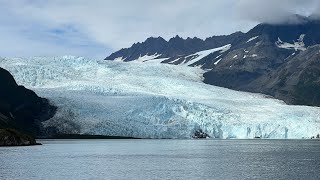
[177, 38]
[241, 61]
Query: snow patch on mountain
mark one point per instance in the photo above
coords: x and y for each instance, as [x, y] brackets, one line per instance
[251, 39]
[215, 63]
[147, 57]
[218, 56]
[153, 100]
[119, 59]
[252, 55]
[297, 45]
[202, 54]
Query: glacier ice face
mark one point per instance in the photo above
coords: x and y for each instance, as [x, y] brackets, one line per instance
[152, 100]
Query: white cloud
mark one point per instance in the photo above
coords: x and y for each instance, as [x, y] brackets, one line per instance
[113, 24]
[275, 11]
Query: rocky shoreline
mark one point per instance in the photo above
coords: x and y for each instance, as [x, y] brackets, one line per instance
[11, 137]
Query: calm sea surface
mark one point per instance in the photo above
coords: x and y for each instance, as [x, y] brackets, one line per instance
[163, 159]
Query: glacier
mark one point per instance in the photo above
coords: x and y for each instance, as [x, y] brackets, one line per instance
[154, 100]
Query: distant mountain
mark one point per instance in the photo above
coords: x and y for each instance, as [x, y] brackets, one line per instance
[255, 66]
[279, 60]
[21, 108]
[176, 47]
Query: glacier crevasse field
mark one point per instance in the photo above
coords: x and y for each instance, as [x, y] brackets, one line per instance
[154, 100]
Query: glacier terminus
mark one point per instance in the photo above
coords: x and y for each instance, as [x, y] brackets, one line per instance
[154, 100]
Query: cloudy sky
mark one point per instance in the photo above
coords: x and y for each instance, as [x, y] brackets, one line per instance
[96, 28]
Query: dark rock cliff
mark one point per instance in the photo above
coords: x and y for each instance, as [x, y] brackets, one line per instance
[11, 137]
[21, 108]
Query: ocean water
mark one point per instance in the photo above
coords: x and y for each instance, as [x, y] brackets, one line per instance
[163, 159]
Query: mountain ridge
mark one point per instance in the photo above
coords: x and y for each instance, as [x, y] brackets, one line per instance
[252, 57]
[174, 47]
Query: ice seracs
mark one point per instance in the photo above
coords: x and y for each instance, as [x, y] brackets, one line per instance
[154, 100]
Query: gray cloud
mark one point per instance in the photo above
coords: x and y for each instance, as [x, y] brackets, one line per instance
[276, 11]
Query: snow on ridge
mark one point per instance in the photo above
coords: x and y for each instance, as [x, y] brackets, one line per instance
[194, 57]
[252, 55]
[143, 58]
[151, 100]
[251, 39]
[218, 56]
[215, 63]
[119, 59]
[147, 57]
[299, 45]
[175, 60]
[202, 54]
